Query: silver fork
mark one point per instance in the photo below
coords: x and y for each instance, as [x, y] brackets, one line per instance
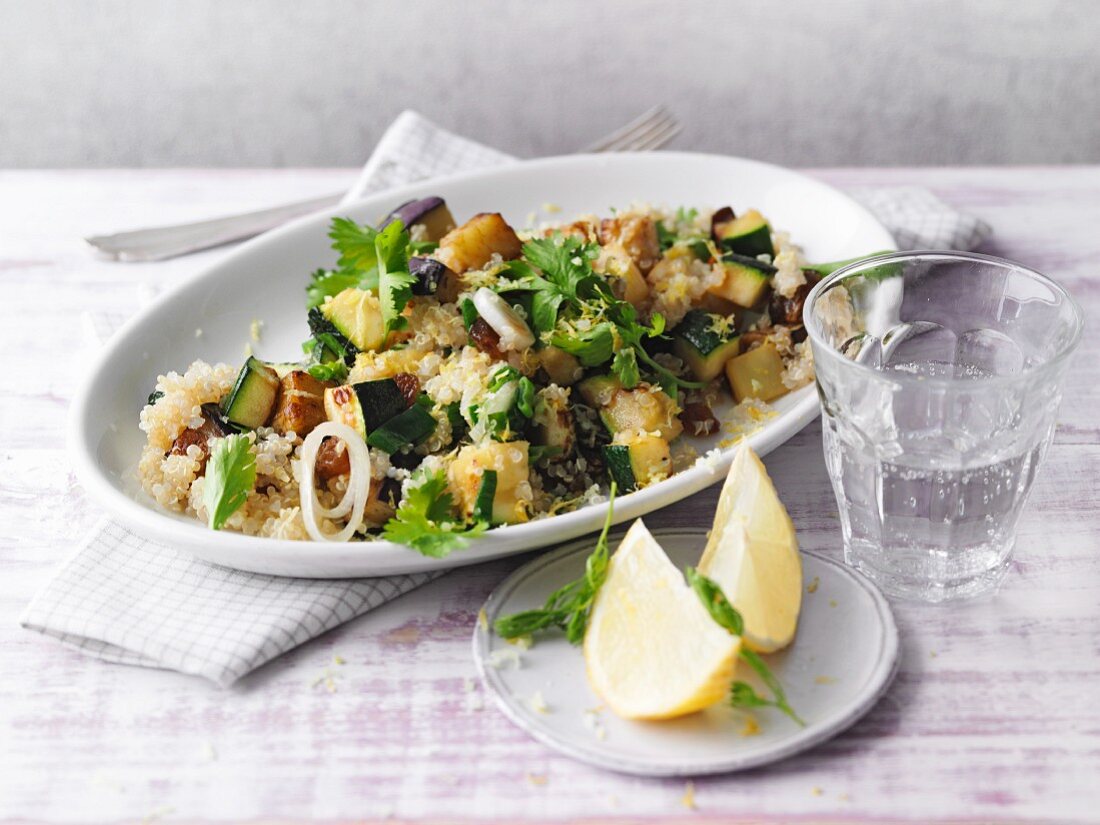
[651, 130]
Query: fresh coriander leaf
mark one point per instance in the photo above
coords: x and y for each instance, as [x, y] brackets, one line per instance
[355, 243]
[726, 615]
[544, 310]
[625, 366]
[332, 371]
[154, 397]
[568, 607]
[592, 347]
[329, 282]
[394, 279]
[425, 520]
[525, 397]
[230, 477]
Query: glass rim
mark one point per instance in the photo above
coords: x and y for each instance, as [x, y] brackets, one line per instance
[815, 334]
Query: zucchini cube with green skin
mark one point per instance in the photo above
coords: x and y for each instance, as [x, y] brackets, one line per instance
[645, 408]
[357, 315]
[705, 342]
[512, 493]
[252, 400]
[757, 374]
[553, 423]
[637, 460]
[365, 406]
[746, 280]
[747, 235]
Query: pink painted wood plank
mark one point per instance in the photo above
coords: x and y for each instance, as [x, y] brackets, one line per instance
[992, 717]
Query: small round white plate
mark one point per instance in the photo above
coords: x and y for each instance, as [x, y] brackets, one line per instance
[842, 661]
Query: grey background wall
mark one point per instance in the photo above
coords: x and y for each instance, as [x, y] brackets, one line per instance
[800, 82]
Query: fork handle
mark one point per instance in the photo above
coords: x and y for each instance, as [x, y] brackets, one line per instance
[158, 243]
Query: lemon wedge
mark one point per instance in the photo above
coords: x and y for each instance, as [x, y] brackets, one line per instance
[752, 554]
[651, 649]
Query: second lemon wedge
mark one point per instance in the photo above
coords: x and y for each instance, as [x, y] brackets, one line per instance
[651, 648]
[752, 554]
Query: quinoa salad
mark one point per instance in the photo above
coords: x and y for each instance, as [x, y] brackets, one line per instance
[461, 377]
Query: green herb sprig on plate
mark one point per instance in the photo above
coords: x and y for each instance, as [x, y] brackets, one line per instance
[567, 608]
[742, 694]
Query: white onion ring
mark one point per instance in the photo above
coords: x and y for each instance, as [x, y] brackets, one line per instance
[355, 497]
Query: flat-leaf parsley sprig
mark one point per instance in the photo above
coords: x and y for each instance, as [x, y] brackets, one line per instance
[742, 694]
[568, 607]
[425, 519]
[230, 477]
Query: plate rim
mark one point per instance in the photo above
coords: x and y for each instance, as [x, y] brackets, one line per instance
[285, 557]
[886, 666]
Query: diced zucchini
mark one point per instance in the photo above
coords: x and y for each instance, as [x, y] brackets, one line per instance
[381, 400]
[342, 406]
[561, 368]
[553, 424]
[637, 461]
[357, 315]
[757, 374]
[642, 409]
[403, 430]
[486, 492]
[747, 235]
[252, 399]
[513, 490]
[703, 345]
[365, 406]
[746, 280]
[597, 390]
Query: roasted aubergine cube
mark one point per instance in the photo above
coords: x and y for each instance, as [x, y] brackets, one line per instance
[472, 245]
[300, 405]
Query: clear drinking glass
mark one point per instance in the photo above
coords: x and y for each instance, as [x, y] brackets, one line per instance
[940, 375]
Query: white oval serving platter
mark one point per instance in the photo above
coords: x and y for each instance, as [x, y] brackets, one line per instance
[265, 280]
[841, 662]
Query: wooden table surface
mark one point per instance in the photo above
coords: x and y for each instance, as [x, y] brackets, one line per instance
[994, 714]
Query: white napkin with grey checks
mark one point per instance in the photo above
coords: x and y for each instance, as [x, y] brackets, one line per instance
[123, 598]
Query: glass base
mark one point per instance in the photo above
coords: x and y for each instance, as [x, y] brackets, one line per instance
[931, 574]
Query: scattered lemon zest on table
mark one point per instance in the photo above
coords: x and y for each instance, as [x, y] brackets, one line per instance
[812, 586]
[688, 799]
[536, 779]
[824, 680]
[248, 349]
[198, 332]
[933, 654]
[254, 329]
[483, 620]
[551, 208]
[816, 791]
[339, 660]
[832, 602]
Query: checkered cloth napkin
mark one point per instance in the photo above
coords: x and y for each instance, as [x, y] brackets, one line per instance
[123, 598]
